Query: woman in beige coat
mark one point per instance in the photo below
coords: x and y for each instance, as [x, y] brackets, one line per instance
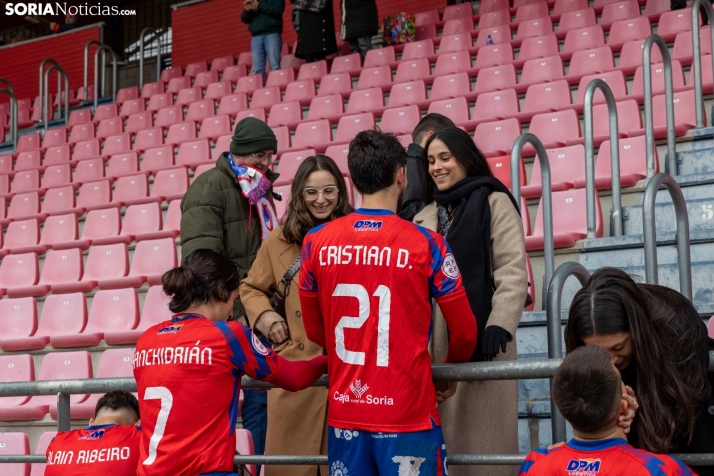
[297, 422]
[480, 220]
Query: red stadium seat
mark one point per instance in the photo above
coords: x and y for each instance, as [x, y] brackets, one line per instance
[155, 311]
[88, 149]
[346, 63]
[658, 78]
[178, 84]
[497, 77]
[244, 445]
[673, 22]
[15, 444]
[156, 158]
[168, 116]
[139, 121]
[567, 164]
[160, 101]
[91, 170]
[314, 71]
[554, 129]
[533, 28]
[431, 16]
[181, 132]
[59, 229]
[452, 27]
[547, 97]
[196, 152]
[338, 153]
[412, 70]
[28, 160]
[19, 323]
[193, 69]
[596, 60]
[233, 104]
[170, 184]
[542, 70]
[501, 168]
[456, 109]
[54, 137]
[493, 5]
[373, 77]
[405, 94]
[216, 91]
[299, 91]
[131, 189]
[19, 270]
[147, 139]
[531, 11]
[620, 11]
[454, 43]
[380, 56]
[494, 55]
[141, 219]
[494, 18]
[614, 79]
[499, 34]
[425, 32]
[450, 63]
[400, 120]
[248, 84]
[28, 142]
[496, 138]
[365, 100]
[81, 132]
[38, 469]
[538, 47]
[283, 114]
[170, 73]
[569, 220]
[116, 144]
[495, 105]
[577, 19]
[26, 181]
[584, 38]
[312, 134]
[106, 111]
[266, 97]
[57, 176]
[127, 94]
[79, 116]
[199, 110]
[234, 73]
[100, 226]
[457, 11]
[622, 31]
[189, 95]
[205, 78]
[335, 84]
[350, 126]
[258, 113]
[24, 205]
[683, 46]
[123, 164]
[564, 6]
[22, 236]
[60, 200]
[631, 55]
[451, 86]
[151, 89]
[684, 114]
[280, 78]
[289, 163]
[323, 107]
[655, 7]
[94, 195]
[60, 267]
[202, 168]
[417, 50]
[152, 258]
[633, 164]
[214, 127]
[132, 107]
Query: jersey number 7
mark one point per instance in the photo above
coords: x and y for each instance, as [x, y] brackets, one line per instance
[351, 322]
[167, 401]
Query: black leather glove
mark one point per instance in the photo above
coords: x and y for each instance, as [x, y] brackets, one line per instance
[493, 341]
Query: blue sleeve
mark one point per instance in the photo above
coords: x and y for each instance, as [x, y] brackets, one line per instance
[246, 353]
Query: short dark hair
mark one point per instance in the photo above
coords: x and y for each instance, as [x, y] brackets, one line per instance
[204, 276]
[118, 400]
[373, 160]
[586, 389]
[433, 122]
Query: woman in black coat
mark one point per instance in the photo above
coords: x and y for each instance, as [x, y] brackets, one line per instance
[314, 23]
[360, 22]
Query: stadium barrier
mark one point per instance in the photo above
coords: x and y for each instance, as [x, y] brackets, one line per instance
[8, 89]
[45, 101]
[697, 59]
[157, 38]
[41, 85]
[86, 65]
[103, 49]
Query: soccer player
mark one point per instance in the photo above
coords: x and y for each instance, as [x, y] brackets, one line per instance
[108, 447]
[366, 285]
[587, 389]
[188, 372]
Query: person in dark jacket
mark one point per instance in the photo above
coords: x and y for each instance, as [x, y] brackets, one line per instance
[265, 22]
[427, 127]
[314, 23]
[70, 23]
[229, 209]
[360, 22]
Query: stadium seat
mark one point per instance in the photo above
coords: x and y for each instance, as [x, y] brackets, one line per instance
[147, 139]
[57, 176]
[495, 105]
[335, 84]
[152, 258]
[374, 77]
[280, 78]
[494, 18]
[60, 201]
[675, 21]
[423, 18]
[98, 224]
[457, 11]
[451, 63]
[193, 69]
[79, 116]
[451, 27]
[27, 160]
[684, 114]
[405, 94]
[499, 34]
[584, 39]
[116, 144]
[218, 90]
[542, 70]
[289, 163]
[338, 153]
[114, 363]
[533, 28]
[16, 368]
[496, 77]
[417, 50]
[169, 116]
[199, 110]
[577, 19]
[653, 8]
[454, 43]
[127, 94]
[151, 89]
[25, 181]
[554, 129]
[154, 311]
[266, 97]
[501, 168]
[106, 111]
[181, 132]
[189, 95]
[28, 142]
[5, 163]
[59, 229]
[202, 168]
[622, 31]
[313, 134]
[400, 120]
[215, 126]
[365, 100]
[60, 267]
[300, 91]
[569, 220]
[54, 137]
[155, 159]
[323, 107]
[567, 164]
[23, 205]
[682, 50]
[531, 11]
[456, 109]
[614, 79]
[425, 32]
[233, 104]
[412, 70]
[633, 164]
[38, 469]
[624, 10]
[244, 442]
[112, 310]
[88, 149]
[91, 170]
[346, 63]
[546, 97]
[177, 84]
[14, 444]
[131, 189]
[489, 6]
[497, 138]
[494, 55]
[248, 84]
[350, 126]
[170, 184]
[538, 47]
[139, 121]
[258, 113]
[205, 78]
[193, 153]
[564, 6]
[283, 114]
[132, 107]
[19, 321]
[314, 71]
[596, 60]
[629, 120]
[22, 236]
[93, 195]
[234, 73]
[170, 73]
[658, 78]
[81, 132]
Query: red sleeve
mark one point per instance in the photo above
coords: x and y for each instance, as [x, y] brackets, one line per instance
[297, 375]
[461, 324]
[312, 318]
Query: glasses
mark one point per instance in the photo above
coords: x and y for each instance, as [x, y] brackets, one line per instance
[329, 193]
[262, 157]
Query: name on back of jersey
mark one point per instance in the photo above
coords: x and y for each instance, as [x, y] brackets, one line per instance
[196, 355]
[103, 455]
[363, 255]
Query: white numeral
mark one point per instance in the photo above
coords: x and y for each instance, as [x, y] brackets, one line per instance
[167, 400]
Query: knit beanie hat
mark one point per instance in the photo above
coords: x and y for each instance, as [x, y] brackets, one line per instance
[252, 135]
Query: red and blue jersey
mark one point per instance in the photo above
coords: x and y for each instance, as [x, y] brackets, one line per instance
[611, 457]
[106, 450]
[188, 373]
[374, 275]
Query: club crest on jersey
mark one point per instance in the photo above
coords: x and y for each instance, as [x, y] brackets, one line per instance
[449, 267]
[338, 468]
[583, 467]
[95, 435]
[258, 346]
[172, 328]
[367, 225]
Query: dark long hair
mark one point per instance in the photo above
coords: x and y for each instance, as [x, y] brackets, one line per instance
[667, 349]
[298, 219]
[463, 149]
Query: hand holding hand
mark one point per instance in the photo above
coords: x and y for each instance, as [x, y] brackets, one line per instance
[628, 409]
[445, 390]
[493, 341]
[279, 332]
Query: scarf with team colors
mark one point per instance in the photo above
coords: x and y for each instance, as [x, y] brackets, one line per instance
[254, 186]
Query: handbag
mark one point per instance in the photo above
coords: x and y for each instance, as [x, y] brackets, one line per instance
[399, 29]
[278, 299]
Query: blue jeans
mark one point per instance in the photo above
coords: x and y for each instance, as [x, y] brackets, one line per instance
[263, 46]
[255, 414]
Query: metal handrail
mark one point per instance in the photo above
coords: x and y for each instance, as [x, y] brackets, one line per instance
[684, 260]
[13, 115]
[41, 87]
[590, 158]
[697, 59]
[157, 32]
[7, 83]
[102, 49]
[555, 339]
[86, 67]
[669, 104]
[61, 74]
[547, 196]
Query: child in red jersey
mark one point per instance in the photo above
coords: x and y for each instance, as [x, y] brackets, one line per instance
[108, 447]
[587, 389]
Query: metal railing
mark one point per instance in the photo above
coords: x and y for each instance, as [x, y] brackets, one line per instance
[13, 112]
[590, 158]
[86, 67]
[697, 59]
[547, 196]
[669, 104]
[555, 338]
[157, 32]
[102, 49]
[46, 108]
[649, 231]
[41, 85]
